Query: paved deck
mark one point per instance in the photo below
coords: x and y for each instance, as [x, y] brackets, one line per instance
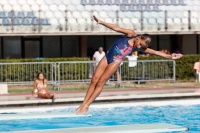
[106, 95]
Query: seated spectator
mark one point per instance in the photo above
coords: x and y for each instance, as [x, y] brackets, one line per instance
[41, 88]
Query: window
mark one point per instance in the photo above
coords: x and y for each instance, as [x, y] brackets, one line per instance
[11, 47]
[70, 46]
[51, 46]
[164, 42]
[95, 42]
[109, 41]
[32, 49]
[153, 43]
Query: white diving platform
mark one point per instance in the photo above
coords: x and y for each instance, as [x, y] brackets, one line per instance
[134, 128]
[22, 116]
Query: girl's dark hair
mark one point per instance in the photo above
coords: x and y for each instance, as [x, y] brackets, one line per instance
[39, 75]
[146, 38]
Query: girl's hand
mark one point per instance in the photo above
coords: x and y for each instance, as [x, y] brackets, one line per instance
[97, 20]
[176, 56]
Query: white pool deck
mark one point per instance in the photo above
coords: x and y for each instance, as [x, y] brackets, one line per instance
[106, 95]
[135, 128]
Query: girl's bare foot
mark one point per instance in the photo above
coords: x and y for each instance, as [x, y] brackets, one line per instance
[79, 108]
[83, 110]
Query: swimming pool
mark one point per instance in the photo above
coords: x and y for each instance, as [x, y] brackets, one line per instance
[179, 112]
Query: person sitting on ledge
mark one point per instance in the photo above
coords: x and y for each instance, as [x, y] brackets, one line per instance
[41, 88]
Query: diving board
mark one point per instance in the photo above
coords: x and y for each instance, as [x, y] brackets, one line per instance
[135, 128]
[17, 116]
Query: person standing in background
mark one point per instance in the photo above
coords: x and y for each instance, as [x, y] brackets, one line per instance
[98, 55]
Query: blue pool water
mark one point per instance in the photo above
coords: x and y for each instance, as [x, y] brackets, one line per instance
[179, 115]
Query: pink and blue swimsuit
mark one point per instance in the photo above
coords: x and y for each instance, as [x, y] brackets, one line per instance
[120, 49]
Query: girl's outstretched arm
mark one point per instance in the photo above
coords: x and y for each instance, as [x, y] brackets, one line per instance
[127, 32]
[159, 53]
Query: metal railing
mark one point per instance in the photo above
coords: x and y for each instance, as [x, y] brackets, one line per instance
[148, 70]
[144, 70]
[82, 71]
[26, 72]
[75, 71]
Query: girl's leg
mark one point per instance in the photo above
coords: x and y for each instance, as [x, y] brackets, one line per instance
[46, 96]
[110, 70]
[97, 74]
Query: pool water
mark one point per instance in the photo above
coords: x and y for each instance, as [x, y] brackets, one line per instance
[111, 116]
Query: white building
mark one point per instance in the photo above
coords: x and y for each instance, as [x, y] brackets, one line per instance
[65, 28]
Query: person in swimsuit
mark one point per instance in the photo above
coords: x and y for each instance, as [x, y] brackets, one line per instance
[41, 88]
[110, 62]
